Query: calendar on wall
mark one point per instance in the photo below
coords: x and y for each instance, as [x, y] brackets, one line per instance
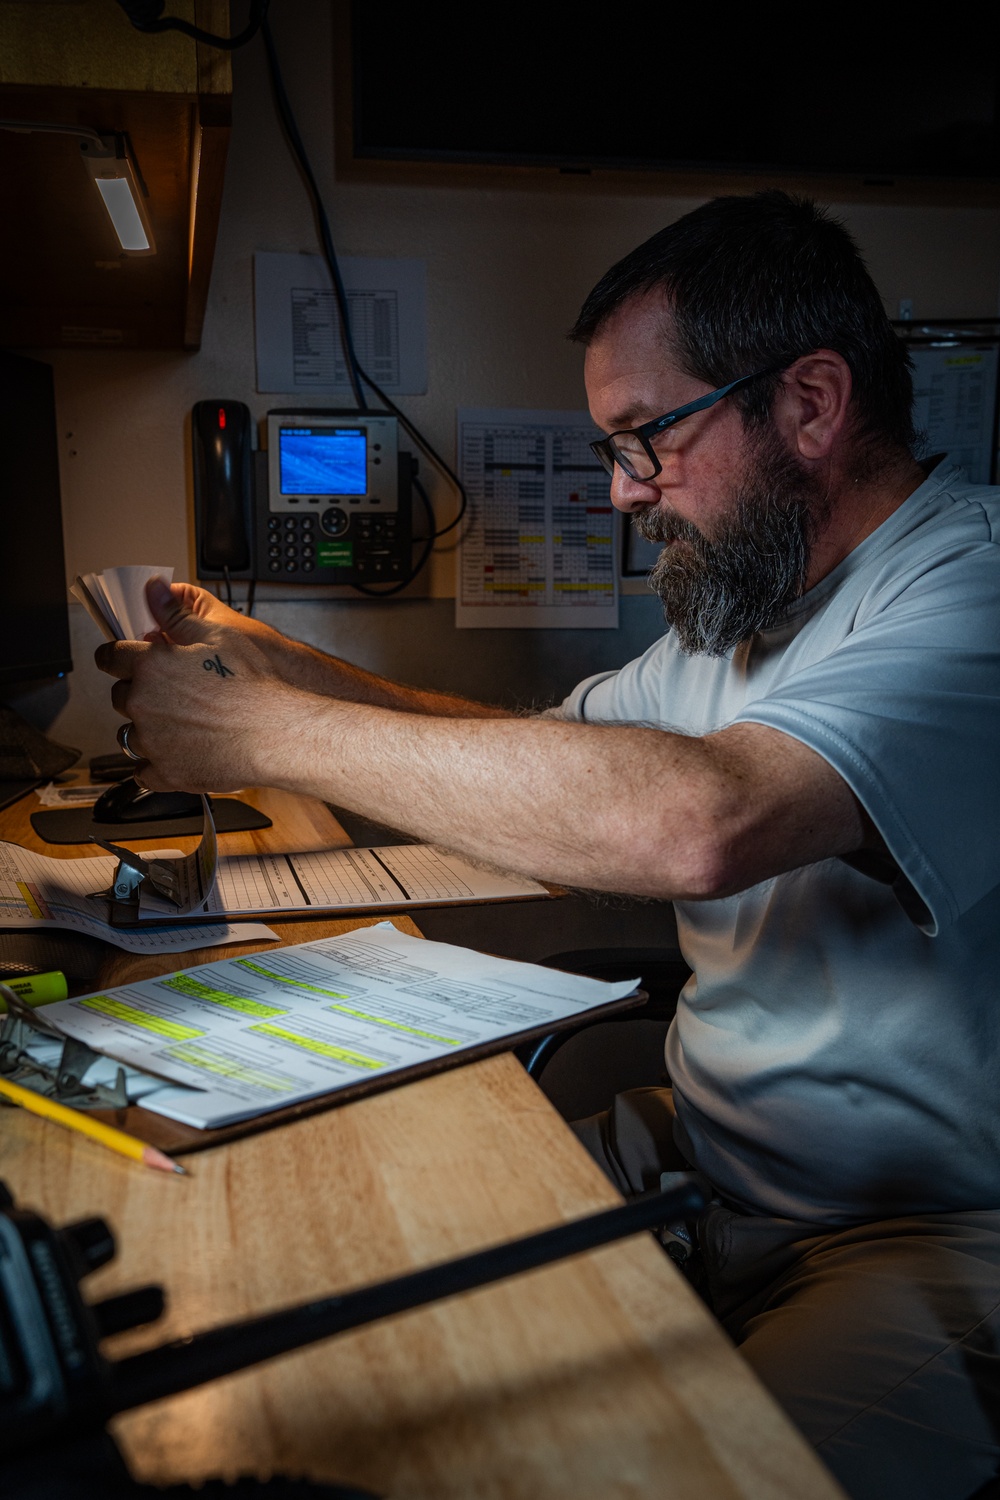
[955, 389]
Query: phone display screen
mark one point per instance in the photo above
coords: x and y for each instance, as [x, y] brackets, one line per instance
[323, 460]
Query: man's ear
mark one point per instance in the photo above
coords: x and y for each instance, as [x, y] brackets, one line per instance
[813, 404]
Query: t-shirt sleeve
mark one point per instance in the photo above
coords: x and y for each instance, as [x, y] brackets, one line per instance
[574, 705]
[635, 694]
[907, 710]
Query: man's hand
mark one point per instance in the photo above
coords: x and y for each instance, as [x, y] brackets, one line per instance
[202, 694]
[295, 663]
[174, 604]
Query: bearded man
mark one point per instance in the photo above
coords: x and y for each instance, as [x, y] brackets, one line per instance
[805, 763]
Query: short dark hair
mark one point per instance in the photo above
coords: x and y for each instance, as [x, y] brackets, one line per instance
[756, 282]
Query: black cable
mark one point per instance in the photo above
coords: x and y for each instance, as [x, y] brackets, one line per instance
[247, 603]
[294, 139]
[147, 16]
[432, 454]
[428, 509]
[356, 373]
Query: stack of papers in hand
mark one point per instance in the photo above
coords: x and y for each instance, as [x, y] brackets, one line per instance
[116, 600]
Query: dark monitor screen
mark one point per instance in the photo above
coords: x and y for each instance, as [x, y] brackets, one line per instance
[34, 611]
[323, 461]
[675, 89]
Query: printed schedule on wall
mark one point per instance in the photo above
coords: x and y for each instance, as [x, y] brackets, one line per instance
[539, 547]
[955, 404]
[297, 326]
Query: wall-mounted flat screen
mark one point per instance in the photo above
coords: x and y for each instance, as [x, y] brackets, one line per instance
[679, 88]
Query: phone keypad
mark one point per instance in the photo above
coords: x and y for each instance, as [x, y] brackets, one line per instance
[378, 544]
[291, 544]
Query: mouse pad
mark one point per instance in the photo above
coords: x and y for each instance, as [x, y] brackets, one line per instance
[75, 825]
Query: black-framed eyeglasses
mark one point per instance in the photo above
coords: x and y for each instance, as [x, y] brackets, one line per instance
[632, 448]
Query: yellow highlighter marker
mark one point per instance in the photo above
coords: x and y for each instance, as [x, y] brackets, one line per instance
[37, 989]
[73, 1119]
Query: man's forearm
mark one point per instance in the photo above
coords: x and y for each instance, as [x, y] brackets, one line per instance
[616, 807]
[185, 613]
[502, 797]
[560, 801]
[315, 672]
[612, 807]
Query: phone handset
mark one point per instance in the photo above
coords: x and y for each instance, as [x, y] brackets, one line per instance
[223, 491]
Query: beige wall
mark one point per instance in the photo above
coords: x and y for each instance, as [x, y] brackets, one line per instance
[507, 270]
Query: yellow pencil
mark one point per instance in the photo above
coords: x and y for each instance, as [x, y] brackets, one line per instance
[74, 1119]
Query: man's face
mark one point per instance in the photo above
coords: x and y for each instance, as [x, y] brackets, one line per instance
[735, 508]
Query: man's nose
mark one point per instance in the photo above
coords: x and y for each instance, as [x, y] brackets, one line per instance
[628, 494]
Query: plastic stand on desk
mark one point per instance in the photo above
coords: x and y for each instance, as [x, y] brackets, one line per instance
[75, 825]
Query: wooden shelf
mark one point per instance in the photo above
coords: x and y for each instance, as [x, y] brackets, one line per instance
[63, 278]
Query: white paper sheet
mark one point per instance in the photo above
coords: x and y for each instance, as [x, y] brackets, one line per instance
[116, 600]
[298, 327]
[955, 403]
[341, 879]
[539, 549]
[74, 794]
[37, 891]
[249, 1035]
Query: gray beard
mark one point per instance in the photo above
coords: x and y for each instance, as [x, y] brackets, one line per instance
[719, 592]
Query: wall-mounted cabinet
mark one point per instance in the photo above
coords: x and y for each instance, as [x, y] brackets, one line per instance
[64, 279]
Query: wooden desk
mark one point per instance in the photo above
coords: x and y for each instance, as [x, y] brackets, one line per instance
[299, 825]
[597, 1378]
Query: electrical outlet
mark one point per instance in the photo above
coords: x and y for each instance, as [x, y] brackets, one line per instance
[905, 309]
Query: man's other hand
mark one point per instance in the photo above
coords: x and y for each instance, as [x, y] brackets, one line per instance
[200, 691]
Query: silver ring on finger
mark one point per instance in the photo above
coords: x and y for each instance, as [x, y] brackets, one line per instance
[123, 734]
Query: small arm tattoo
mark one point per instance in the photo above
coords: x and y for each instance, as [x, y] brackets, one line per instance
[215, 664]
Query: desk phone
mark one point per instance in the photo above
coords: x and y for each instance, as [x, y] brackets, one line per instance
[338, 499]
[326, 501]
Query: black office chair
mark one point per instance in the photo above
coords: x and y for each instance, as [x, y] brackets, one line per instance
[601, 1058]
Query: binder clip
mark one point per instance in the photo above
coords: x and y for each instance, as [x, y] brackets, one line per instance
[22, 1031]
[164, 888]
[123, 893]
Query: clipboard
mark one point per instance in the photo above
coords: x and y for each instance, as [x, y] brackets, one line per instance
[177, 1139]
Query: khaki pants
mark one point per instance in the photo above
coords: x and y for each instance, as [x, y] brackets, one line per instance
[881, 1340]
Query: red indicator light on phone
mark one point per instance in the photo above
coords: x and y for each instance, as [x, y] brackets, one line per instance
[222, 417]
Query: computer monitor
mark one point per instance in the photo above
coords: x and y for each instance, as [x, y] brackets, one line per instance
[34, 612]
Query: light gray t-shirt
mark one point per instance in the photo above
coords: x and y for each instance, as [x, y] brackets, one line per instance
[836, 1056]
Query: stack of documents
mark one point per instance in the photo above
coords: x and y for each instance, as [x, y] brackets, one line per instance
[116, 600]
[239, 1037]
[37, 891]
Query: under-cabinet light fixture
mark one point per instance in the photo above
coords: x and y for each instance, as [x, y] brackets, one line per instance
[110, 164]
